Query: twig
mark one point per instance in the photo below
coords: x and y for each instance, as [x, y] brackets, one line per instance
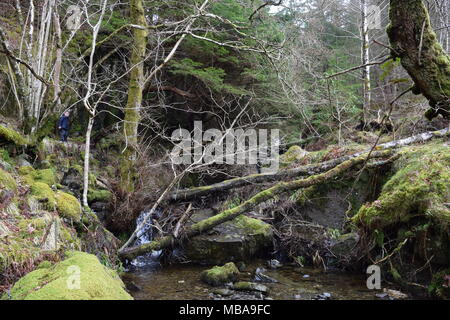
[358, 67]
[268, 3]
[183, 217]
[18, 60]
[386, 46]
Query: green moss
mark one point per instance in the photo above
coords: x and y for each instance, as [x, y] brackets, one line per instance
[25, 170]
[251, 225]
[27, 225]
[45, 175]
[12, 136]
[30, 175]
[419, 187]
[43, 193]
[7, 181]
[68, 206]
[44, 265]
[99, 195]
[4, 155]
[220, 275]
[79, 277]
[17, 252]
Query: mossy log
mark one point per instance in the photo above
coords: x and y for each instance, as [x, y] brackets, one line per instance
[277, 189]
[413, 41]
[306, 170]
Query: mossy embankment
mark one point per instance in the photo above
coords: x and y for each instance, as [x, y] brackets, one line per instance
[400, 212]
[41, 219]
[408, 224]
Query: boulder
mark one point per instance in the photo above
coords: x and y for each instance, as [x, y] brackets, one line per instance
[344, 246]
[240, 239]
[68, 206]
[80, 277]
[220, 275]
[73, 179]
[328, 204]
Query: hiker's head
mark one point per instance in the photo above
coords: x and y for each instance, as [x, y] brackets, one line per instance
[67, 113]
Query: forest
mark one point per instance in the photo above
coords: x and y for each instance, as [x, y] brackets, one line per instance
[224, 150]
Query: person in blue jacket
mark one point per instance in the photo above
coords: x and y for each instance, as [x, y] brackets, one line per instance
[64, 126]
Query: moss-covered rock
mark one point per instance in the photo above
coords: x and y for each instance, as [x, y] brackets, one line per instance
[44, 194]
[68, 206]
[241, 239]
[12, 136]
[220, 275]
[7, 181]
[80, 277]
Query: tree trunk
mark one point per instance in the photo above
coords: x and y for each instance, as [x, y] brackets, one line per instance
[87, 151]
[413, 40]
[132, 109]
[365, 60]
[58, 61]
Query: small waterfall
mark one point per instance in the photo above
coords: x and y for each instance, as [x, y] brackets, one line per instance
[145, 235]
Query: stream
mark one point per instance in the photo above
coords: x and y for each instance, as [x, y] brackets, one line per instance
[146, 279]
[182, 281]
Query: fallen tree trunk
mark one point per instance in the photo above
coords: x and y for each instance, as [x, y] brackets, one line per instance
[277, 189]
[306, 170]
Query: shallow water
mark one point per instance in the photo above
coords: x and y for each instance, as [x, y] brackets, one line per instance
[182, 281]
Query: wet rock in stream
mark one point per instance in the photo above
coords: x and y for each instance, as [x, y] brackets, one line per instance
[241, 239]
[274, 264]
[261, 277]
[250, 286]
[220, 275]
[322, 296]
[223, 292]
